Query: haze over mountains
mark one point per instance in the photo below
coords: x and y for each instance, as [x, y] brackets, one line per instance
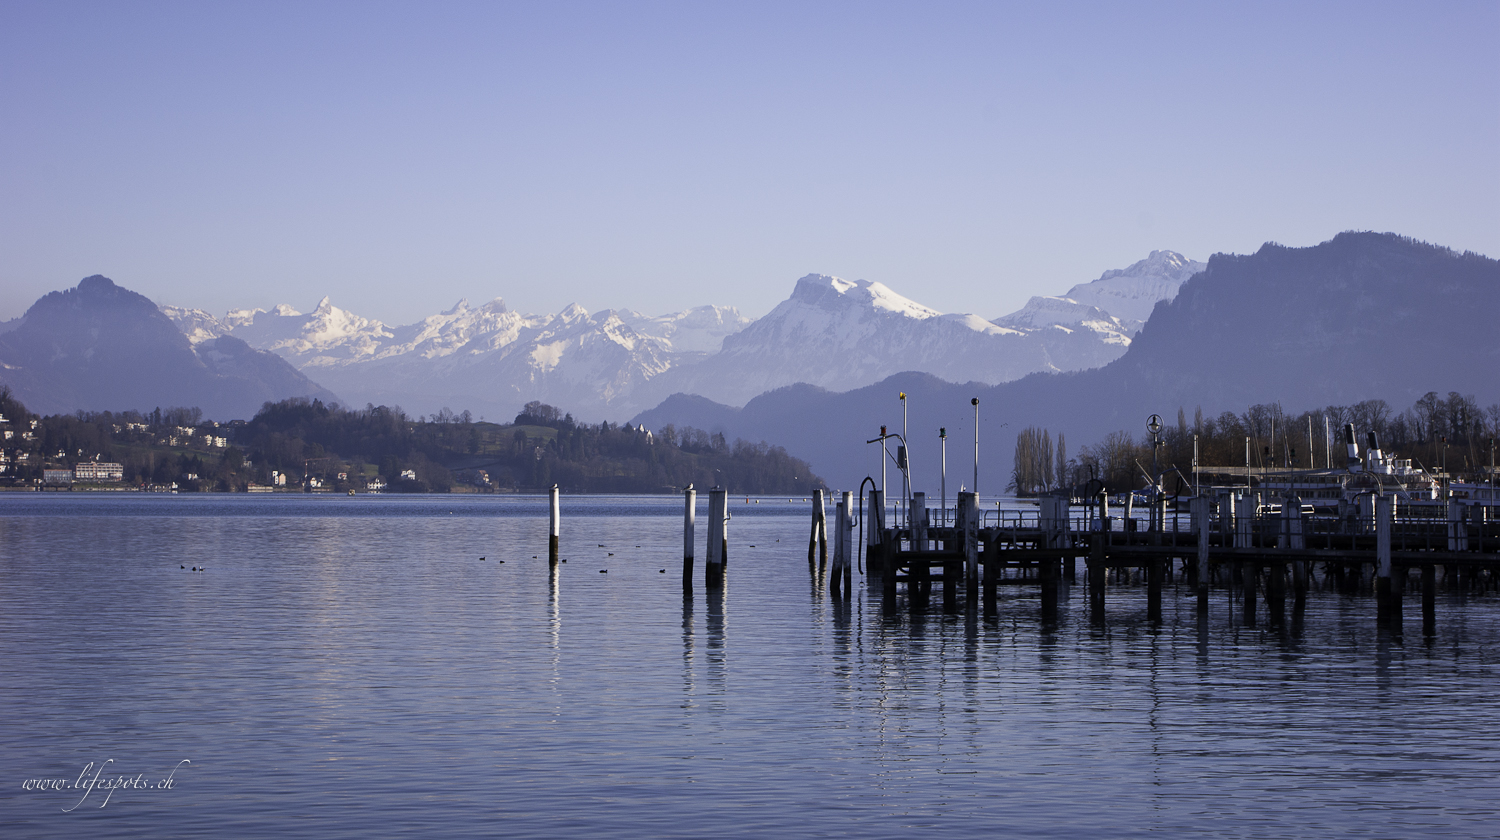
[830, 332]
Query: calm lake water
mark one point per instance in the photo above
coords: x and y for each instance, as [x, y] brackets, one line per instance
[351, 667]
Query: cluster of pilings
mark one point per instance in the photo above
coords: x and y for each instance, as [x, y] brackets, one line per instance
[1242, 544]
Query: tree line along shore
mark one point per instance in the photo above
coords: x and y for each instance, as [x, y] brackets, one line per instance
[300, 444]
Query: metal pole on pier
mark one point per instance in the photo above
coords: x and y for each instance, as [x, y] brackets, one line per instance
[975, 403]
[943, 439]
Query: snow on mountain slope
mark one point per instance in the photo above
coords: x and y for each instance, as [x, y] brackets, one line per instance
[1131, 293]
[701, 329]
[831, 332]
[196, 324]
[843, 334]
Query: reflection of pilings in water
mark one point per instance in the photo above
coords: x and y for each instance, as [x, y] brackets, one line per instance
[689, 680]
[717, 641]
[554, 626]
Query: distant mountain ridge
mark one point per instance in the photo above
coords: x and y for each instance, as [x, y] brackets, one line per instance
[1361, 316]
[830, 332]
[102, 347]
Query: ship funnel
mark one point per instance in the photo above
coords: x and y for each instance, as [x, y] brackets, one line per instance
[1353, 447]
[1374, 458]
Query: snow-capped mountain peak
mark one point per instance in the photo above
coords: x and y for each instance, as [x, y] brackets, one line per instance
[1131, 293]
[828, 292]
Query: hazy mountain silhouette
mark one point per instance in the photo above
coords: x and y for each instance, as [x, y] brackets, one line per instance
[102, 347]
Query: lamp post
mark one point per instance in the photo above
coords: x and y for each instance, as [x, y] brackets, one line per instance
[943, 439]
[975, 488]
[1153, 425]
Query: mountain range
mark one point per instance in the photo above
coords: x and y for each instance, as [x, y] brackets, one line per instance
[1362, 316]
[830, 332]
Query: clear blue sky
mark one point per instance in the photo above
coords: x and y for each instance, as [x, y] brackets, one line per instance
[399, 156]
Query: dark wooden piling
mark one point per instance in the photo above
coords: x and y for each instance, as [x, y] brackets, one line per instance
[1248, 573]
[1276, 592]
[992, 565]
[1153, 591]
[689, 514]
[877, 551]
[1200, 506]
[848, 566]
[1096, 571]
[1429, 599]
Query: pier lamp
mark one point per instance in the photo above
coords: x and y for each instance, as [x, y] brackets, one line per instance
[975, 402]
[1153, 425]
[943, 439]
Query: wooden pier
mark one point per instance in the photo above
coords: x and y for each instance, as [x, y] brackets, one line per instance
[1253, 548]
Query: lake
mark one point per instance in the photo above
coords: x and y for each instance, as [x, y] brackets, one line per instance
[368, 666]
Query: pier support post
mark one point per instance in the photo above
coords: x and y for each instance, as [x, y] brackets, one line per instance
[918, 516]
[1249, 573]
[877, 551]
[554, 525]
[1276, 592]
[849, 542]
[689, 514]
[718, 513]
[1153, 591]
[1429, 599]
[968, 505]
[1096, 573]
[1383, 600]
[992, 565]
[818, 539]
[843, 543]
[1201, 525]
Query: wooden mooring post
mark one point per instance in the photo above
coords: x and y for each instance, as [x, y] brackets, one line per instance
[689, 514]
[554, 525]
[1201, 517]
[968, 513]
[843, 540]
[718, 538]
[817, 543]
[1384, 508]
[878, 553]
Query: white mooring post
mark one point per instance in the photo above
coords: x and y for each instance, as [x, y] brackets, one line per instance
[718, 510]
[554, 525]
[689, 514]
[1385, 598]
